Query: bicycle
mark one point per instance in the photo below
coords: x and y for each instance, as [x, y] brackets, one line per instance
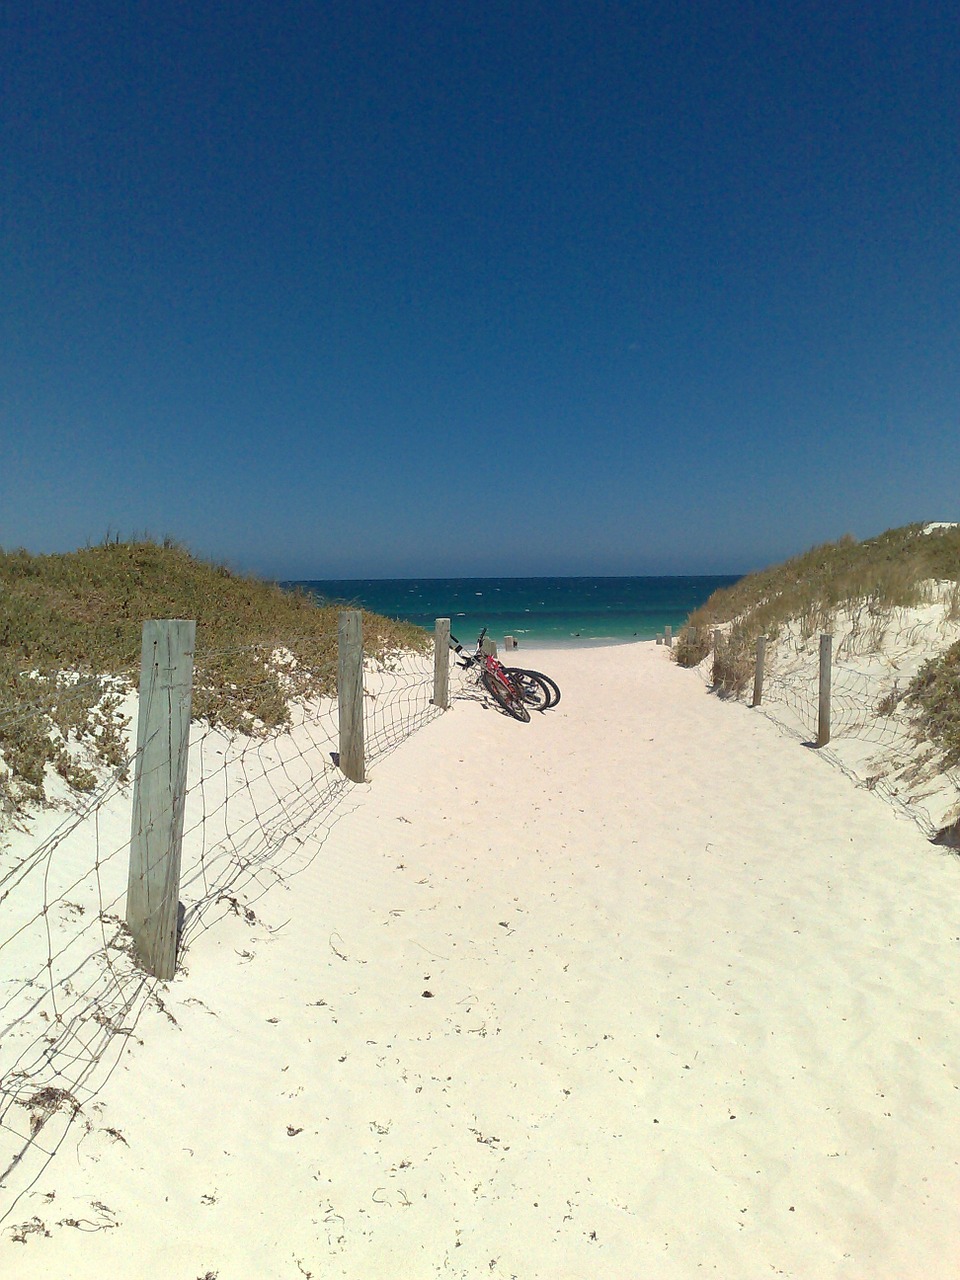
[514, 688]
[494, 678]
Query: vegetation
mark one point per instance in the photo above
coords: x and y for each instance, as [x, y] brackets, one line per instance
[865, 580]
[70, 628]
[936, 694]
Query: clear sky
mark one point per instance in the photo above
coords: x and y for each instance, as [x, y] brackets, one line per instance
[413, 289]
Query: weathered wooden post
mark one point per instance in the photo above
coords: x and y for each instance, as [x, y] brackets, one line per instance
[758, 674]
[350, 693]
[668, 637]
[826, 660]
[159, 791]
[441, 663]
[489, 646]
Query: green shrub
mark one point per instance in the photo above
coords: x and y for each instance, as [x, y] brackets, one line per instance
[935, 692]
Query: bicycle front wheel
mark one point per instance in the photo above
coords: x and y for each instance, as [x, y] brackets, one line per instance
[505, 696]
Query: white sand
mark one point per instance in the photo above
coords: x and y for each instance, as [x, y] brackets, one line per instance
[693, 1012]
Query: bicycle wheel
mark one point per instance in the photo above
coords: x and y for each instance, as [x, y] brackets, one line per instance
[552, 687]
[506, 696]
[533, 688]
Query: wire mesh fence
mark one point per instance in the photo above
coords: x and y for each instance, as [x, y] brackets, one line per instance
[398, 700]
[873, 734]
[256, 809]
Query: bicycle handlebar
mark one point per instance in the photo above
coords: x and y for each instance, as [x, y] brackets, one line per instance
[457, 647]
[469, 658]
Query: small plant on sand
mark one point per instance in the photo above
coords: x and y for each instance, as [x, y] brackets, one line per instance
[733, 661]
[692, 646]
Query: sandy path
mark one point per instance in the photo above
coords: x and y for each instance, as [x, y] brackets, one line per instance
[692, 1011]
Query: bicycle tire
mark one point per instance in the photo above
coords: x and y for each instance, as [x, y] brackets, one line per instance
[552, 686]
[532, 687]
[505, 697]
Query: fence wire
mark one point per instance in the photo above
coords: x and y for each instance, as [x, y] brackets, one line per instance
[398, 700]
[72, 995]
[856, 708]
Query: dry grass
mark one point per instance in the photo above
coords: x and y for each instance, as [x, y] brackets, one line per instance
[82, 614]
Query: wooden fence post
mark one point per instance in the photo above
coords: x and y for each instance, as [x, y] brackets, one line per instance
[715, 663]
[758, 674]
[668, 637]
[441, 663]
[489, 646]
[826, 659]
[350, 693]
[159, 791]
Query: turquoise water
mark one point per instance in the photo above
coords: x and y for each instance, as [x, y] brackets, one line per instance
[539, 611]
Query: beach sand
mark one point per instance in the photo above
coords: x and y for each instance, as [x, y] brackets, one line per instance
[643, 988]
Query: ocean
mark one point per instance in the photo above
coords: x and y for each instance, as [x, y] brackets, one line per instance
[538, 611]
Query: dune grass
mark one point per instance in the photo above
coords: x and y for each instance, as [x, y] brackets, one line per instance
[70, 633]
[864, 580]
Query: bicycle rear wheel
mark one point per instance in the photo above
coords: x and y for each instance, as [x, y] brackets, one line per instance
[553, 688]
[533, 688]
[506, 696]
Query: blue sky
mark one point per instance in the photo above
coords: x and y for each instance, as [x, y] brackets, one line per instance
[379, 289]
